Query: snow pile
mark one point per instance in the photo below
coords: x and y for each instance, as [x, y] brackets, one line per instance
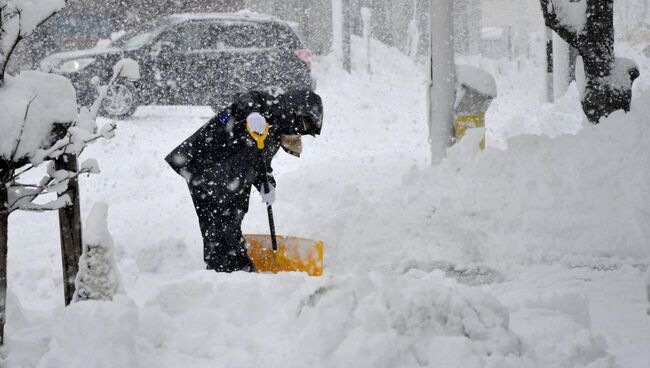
[40, 100]
[539, 200]
[243, 320]
[167, 255]
[543, 198]
[555, 328]
[571, 13]
[99, 334]
[477, 79]
[620, 78]
[98, 277]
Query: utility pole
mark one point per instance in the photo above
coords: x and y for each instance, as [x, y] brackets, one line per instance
[442, 80]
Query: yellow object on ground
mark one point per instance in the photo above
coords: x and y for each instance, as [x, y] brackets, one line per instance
[293, 254]
[465, 122]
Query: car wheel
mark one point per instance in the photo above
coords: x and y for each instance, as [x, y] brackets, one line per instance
[121, 100]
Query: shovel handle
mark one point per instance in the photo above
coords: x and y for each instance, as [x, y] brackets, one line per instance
[269, 210]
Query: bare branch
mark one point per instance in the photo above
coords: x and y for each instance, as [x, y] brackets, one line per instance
[43, 188]
[57, 204]
[22, 129]
[4, 17]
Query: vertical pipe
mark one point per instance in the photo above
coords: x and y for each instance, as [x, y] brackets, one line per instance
[549, 66]
[366, 16]
[70, 228]
[443, 79]
[4, 223]
[347, 35]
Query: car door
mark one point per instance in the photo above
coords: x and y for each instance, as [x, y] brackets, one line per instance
[252, 57]
[185, 64]
[244, 57]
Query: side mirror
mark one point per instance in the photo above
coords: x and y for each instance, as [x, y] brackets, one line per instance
[161, 47]
[166, 45]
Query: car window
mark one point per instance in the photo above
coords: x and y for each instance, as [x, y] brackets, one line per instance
[141, 36]
[80, 25]
[256, 36]
[220, 36]
[193, 36]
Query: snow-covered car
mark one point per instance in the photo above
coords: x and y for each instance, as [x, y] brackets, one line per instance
[192, 59]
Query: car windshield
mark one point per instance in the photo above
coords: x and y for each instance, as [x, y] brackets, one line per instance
[80, 25]
[142, 35]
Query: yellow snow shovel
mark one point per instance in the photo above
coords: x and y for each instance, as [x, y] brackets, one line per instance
[292, 254]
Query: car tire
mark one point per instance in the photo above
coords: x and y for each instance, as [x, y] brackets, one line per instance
[121, 100]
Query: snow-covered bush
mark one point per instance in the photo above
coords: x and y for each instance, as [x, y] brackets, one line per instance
[40, 123]
[98, 278]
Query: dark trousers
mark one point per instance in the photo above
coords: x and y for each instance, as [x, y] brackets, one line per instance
[224, 247]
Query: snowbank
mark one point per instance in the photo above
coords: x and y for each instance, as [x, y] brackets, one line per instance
[39, 99]
[544, 198]
[242, 320]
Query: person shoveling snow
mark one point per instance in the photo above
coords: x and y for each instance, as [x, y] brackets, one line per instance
[231, 153]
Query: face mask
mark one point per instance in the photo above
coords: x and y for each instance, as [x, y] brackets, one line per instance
[292, 144]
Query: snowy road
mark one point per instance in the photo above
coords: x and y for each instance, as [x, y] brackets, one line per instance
[549, 240]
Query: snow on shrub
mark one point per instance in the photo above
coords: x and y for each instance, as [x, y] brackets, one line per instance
[41, 100]
[98, 276]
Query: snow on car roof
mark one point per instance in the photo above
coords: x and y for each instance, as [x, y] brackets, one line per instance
[242, 15]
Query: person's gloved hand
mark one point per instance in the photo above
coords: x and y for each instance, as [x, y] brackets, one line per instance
[268, 197]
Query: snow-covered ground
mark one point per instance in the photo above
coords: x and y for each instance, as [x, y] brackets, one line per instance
[533, 256]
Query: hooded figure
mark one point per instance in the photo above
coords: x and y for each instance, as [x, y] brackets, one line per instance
[231, 153]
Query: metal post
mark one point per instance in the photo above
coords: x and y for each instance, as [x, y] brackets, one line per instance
[4, 217]
[549, 66]
[70, 228]
[347, 35]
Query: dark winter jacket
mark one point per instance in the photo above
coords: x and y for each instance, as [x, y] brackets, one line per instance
[222, 159]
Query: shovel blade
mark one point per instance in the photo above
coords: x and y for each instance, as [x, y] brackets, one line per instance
[293, 254]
